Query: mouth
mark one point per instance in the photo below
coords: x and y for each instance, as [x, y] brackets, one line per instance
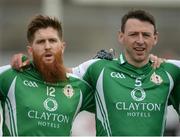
[48, 56]
[139, 50]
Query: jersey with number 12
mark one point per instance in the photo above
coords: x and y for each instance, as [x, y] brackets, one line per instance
[32, 107]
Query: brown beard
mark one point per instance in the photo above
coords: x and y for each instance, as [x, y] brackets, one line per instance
[51, 72]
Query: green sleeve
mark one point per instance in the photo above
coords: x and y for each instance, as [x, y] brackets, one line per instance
[174, 71]
[88, 102]
[175, 98]
[6, 79]
[93, 72]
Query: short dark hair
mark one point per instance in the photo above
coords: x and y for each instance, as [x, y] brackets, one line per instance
[39, 22]
[141, 15]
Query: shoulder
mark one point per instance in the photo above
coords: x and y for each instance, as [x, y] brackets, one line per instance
[8, 75]
[174, 62]
[172, 68]
[93, 64]
[78, 81]
[7, 71]
[171, 65]
[4, 68]
[7, 78]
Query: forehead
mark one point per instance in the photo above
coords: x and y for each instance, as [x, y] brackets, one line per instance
[46, 33]
[136, 25]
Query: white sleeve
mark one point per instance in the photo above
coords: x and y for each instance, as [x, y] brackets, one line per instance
[4, 68]
[82, 68]
[175, 62]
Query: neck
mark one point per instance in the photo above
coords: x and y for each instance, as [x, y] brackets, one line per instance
[137, 63]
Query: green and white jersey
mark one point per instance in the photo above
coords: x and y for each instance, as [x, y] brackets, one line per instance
[130, 101]
[32, 107]
[175, 95]
[3, 68]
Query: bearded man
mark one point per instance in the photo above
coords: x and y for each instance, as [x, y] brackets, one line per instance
[43, 100]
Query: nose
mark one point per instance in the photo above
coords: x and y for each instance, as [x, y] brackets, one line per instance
[47, 45]
[140, 39]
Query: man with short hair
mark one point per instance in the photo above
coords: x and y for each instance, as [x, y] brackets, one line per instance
[131, 97]
[43, 100]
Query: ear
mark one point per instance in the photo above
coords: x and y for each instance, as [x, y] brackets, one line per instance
[63, 46]
[156, 37]
[120, 37]
[30, 50]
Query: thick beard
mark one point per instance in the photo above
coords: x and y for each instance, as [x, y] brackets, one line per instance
[51, 72]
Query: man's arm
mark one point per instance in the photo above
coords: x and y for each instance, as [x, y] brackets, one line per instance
[20, 60]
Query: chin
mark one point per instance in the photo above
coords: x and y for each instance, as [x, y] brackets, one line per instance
[48, 62]
[140, 58]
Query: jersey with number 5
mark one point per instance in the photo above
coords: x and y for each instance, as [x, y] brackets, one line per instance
[130, 101]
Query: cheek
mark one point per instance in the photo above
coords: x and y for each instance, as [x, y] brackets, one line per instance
[38, 51]
[151, 44]
[128, 41]
[58, 49]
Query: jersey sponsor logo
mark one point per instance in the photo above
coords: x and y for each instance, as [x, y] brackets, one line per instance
[117, 75]
[45, 116]
[156, 79]
[68, 91]
[50, 104]
[138, 106]
[136, 109]
[48, 124]
[46, 119]
[138, 94]
[30, 83]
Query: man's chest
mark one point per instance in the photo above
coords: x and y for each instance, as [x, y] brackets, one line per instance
[29, 95]
[121, 88]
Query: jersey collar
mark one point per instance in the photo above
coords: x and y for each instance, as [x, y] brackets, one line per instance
[122, 59]
[140, 71]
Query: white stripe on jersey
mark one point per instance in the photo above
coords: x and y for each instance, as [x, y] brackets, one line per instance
[10, 109]
[102, 113]
[171, 85]
[79, 105]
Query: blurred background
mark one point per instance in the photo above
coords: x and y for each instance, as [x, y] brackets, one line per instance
[90, 25]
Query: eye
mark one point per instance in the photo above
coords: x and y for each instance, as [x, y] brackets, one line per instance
[40, 41]
[147, 35]
[133, 34]
[52, 40]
